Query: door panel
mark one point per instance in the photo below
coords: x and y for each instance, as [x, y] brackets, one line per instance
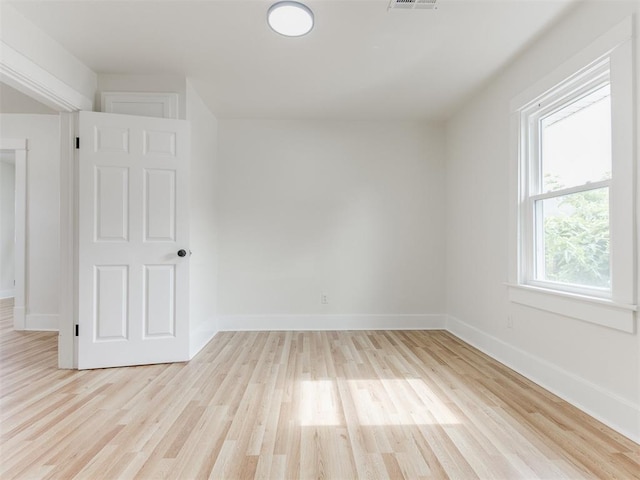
[111, 301]
[160, 205]
[159, 305]
[112, 204]
[132, 219]
[111, 139]
[160, 143]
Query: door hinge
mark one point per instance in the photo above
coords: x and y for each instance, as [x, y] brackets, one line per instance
[77, 328]
[77, 143]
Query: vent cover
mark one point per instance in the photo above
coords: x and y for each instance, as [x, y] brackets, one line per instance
[413, 4]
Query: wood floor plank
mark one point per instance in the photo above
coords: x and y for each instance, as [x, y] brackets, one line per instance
[285, 405]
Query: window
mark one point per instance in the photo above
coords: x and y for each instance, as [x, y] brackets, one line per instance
[575, 251]
[568, 177]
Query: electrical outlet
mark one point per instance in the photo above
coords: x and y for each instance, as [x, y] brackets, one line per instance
[509, 321]
[324, 299]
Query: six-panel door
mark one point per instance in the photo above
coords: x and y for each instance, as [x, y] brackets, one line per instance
[133, 287]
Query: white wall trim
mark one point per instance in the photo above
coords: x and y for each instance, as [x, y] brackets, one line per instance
[20, 232]
[41, 322]
[130, 102]
[612, 410]
[28, 77]
[598, 311]
[68, 242]
[332, 322]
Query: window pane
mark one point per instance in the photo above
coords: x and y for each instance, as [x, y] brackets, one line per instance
[576, 142]
[573, 239]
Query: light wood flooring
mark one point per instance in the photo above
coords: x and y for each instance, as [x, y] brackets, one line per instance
[339, 405]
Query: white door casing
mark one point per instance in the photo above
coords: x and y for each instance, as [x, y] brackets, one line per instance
[133, 288]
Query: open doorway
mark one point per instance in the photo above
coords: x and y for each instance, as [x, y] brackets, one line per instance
[7, 223]
[13, 167]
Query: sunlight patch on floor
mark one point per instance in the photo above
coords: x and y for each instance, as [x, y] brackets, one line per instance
[382, 402]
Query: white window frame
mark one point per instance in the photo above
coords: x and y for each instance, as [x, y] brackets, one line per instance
[608, 60]
[562, 95]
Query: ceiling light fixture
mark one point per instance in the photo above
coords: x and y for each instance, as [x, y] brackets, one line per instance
[291, 19]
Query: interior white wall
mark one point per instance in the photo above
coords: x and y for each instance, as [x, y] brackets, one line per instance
[144, 83]
[43, 214]
[7, 227]
[14, 101]
[23, 36]
[350, 209]
[202, 220]
[594, 367]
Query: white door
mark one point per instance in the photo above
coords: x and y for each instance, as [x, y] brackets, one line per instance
[133, 240]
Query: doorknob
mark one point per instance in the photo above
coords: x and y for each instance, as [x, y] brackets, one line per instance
[182, 253]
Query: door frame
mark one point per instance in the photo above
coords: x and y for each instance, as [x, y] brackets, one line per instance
[19, 148]
[26, 76]
[67, 347]
[30, 78]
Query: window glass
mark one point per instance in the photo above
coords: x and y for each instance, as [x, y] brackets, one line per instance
[574, 239]
[576, 142]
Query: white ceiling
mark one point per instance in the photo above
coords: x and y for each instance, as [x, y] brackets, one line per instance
[360, 61]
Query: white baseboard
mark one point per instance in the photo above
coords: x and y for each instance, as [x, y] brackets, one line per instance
[41, 322]
[8, 293]
[332, 322]
[199, 339]
[612, 410]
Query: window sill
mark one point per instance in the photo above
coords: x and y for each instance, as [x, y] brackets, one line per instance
[600, 311]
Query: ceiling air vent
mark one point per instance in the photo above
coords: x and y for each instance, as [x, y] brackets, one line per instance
[413, 4]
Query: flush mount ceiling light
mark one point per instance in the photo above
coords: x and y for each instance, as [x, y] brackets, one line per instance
[291, 19]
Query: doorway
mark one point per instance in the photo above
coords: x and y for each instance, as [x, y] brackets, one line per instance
[13, 214]
[7, 223]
